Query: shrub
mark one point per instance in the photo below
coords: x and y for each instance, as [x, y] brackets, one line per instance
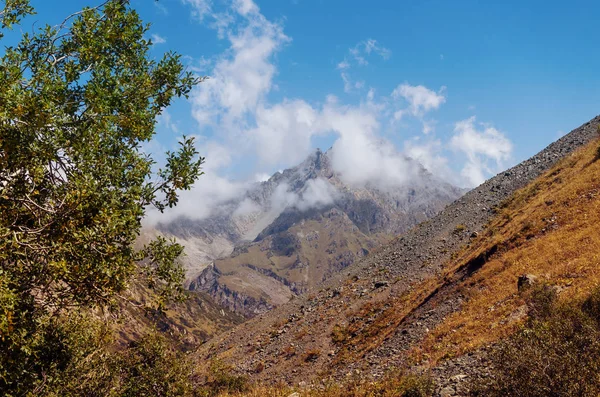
[416, 386]
[394, 384]
[339, 334]
[221, 380]
[151, 367]
[556, 353]
[459, 229]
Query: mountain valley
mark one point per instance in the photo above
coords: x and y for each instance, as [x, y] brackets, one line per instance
[438, 296]
[297, 229]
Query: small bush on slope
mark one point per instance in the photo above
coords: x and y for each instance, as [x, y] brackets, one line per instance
[556, 353]
[394, 385]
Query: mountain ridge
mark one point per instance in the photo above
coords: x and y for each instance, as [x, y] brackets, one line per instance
[322, 225]
[362, 306]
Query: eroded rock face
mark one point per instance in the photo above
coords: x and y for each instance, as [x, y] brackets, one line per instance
[305, 244]
[316, 321]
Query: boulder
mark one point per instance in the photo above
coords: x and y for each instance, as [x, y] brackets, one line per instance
[526, 281]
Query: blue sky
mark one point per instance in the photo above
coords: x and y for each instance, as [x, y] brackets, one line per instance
[466, 87]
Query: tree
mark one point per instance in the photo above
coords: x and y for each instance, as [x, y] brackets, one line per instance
[77, 103]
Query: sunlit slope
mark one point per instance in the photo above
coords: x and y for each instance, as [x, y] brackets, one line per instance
[550, 229]
[446, 287]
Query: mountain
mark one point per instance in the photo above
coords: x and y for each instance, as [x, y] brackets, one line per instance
[189, 323]
[439, 296]
[288, 234]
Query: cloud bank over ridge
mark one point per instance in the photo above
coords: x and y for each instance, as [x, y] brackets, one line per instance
[267, 134]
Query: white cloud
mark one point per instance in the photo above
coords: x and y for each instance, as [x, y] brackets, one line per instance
[359, 53]
[420, 99]
[359, 155]
[262, 177]
[246, 207]
[245, 7]
[200, 8]
[343, 65]
[161, 7]
[428, 126]
[346, 80]
[283, 131]
[430, 155]
[364, 48]
[318, 193]
[277, 134]
[165, 120]
[486, 149]
[157, 39]
[210, 192]
[350, 85]
[243, 75]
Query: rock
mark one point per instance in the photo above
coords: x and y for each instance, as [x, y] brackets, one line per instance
[295, 394]
[380, 284]
[458, 378]
[447, 391]
[526, 281]
[302, 384]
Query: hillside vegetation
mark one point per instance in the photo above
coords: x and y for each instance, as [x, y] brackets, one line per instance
[548, 229]
[447, 323]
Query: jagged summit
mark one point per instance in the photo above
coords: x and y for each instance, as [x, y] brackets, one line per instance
[308, 223]
[294, 230]
[447, 286]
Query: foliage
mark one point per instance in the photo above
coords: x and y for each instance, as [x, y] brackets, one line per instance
[12, 12]
[148, 367]
[394, 384]
[557, 353]
[77, 104]
[222, 381]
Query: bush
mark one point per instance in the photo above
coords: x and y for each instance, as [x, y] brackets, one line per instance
[416, 386]
[220, 380]
[556, 353]
[393, 385]
[151, 367]
[459, 229]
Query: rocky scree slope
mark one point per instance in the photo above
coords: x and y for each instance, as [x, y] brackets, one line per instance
[323, 226]
[372, 315]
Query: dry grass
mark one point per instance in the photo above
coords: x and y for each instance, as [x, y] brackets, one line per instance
[397, 385]
[549, 229]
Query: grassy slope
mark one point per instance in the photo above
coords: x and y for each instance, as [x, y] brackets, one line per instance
[548, 229]
[191, 322]
[321, 245]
